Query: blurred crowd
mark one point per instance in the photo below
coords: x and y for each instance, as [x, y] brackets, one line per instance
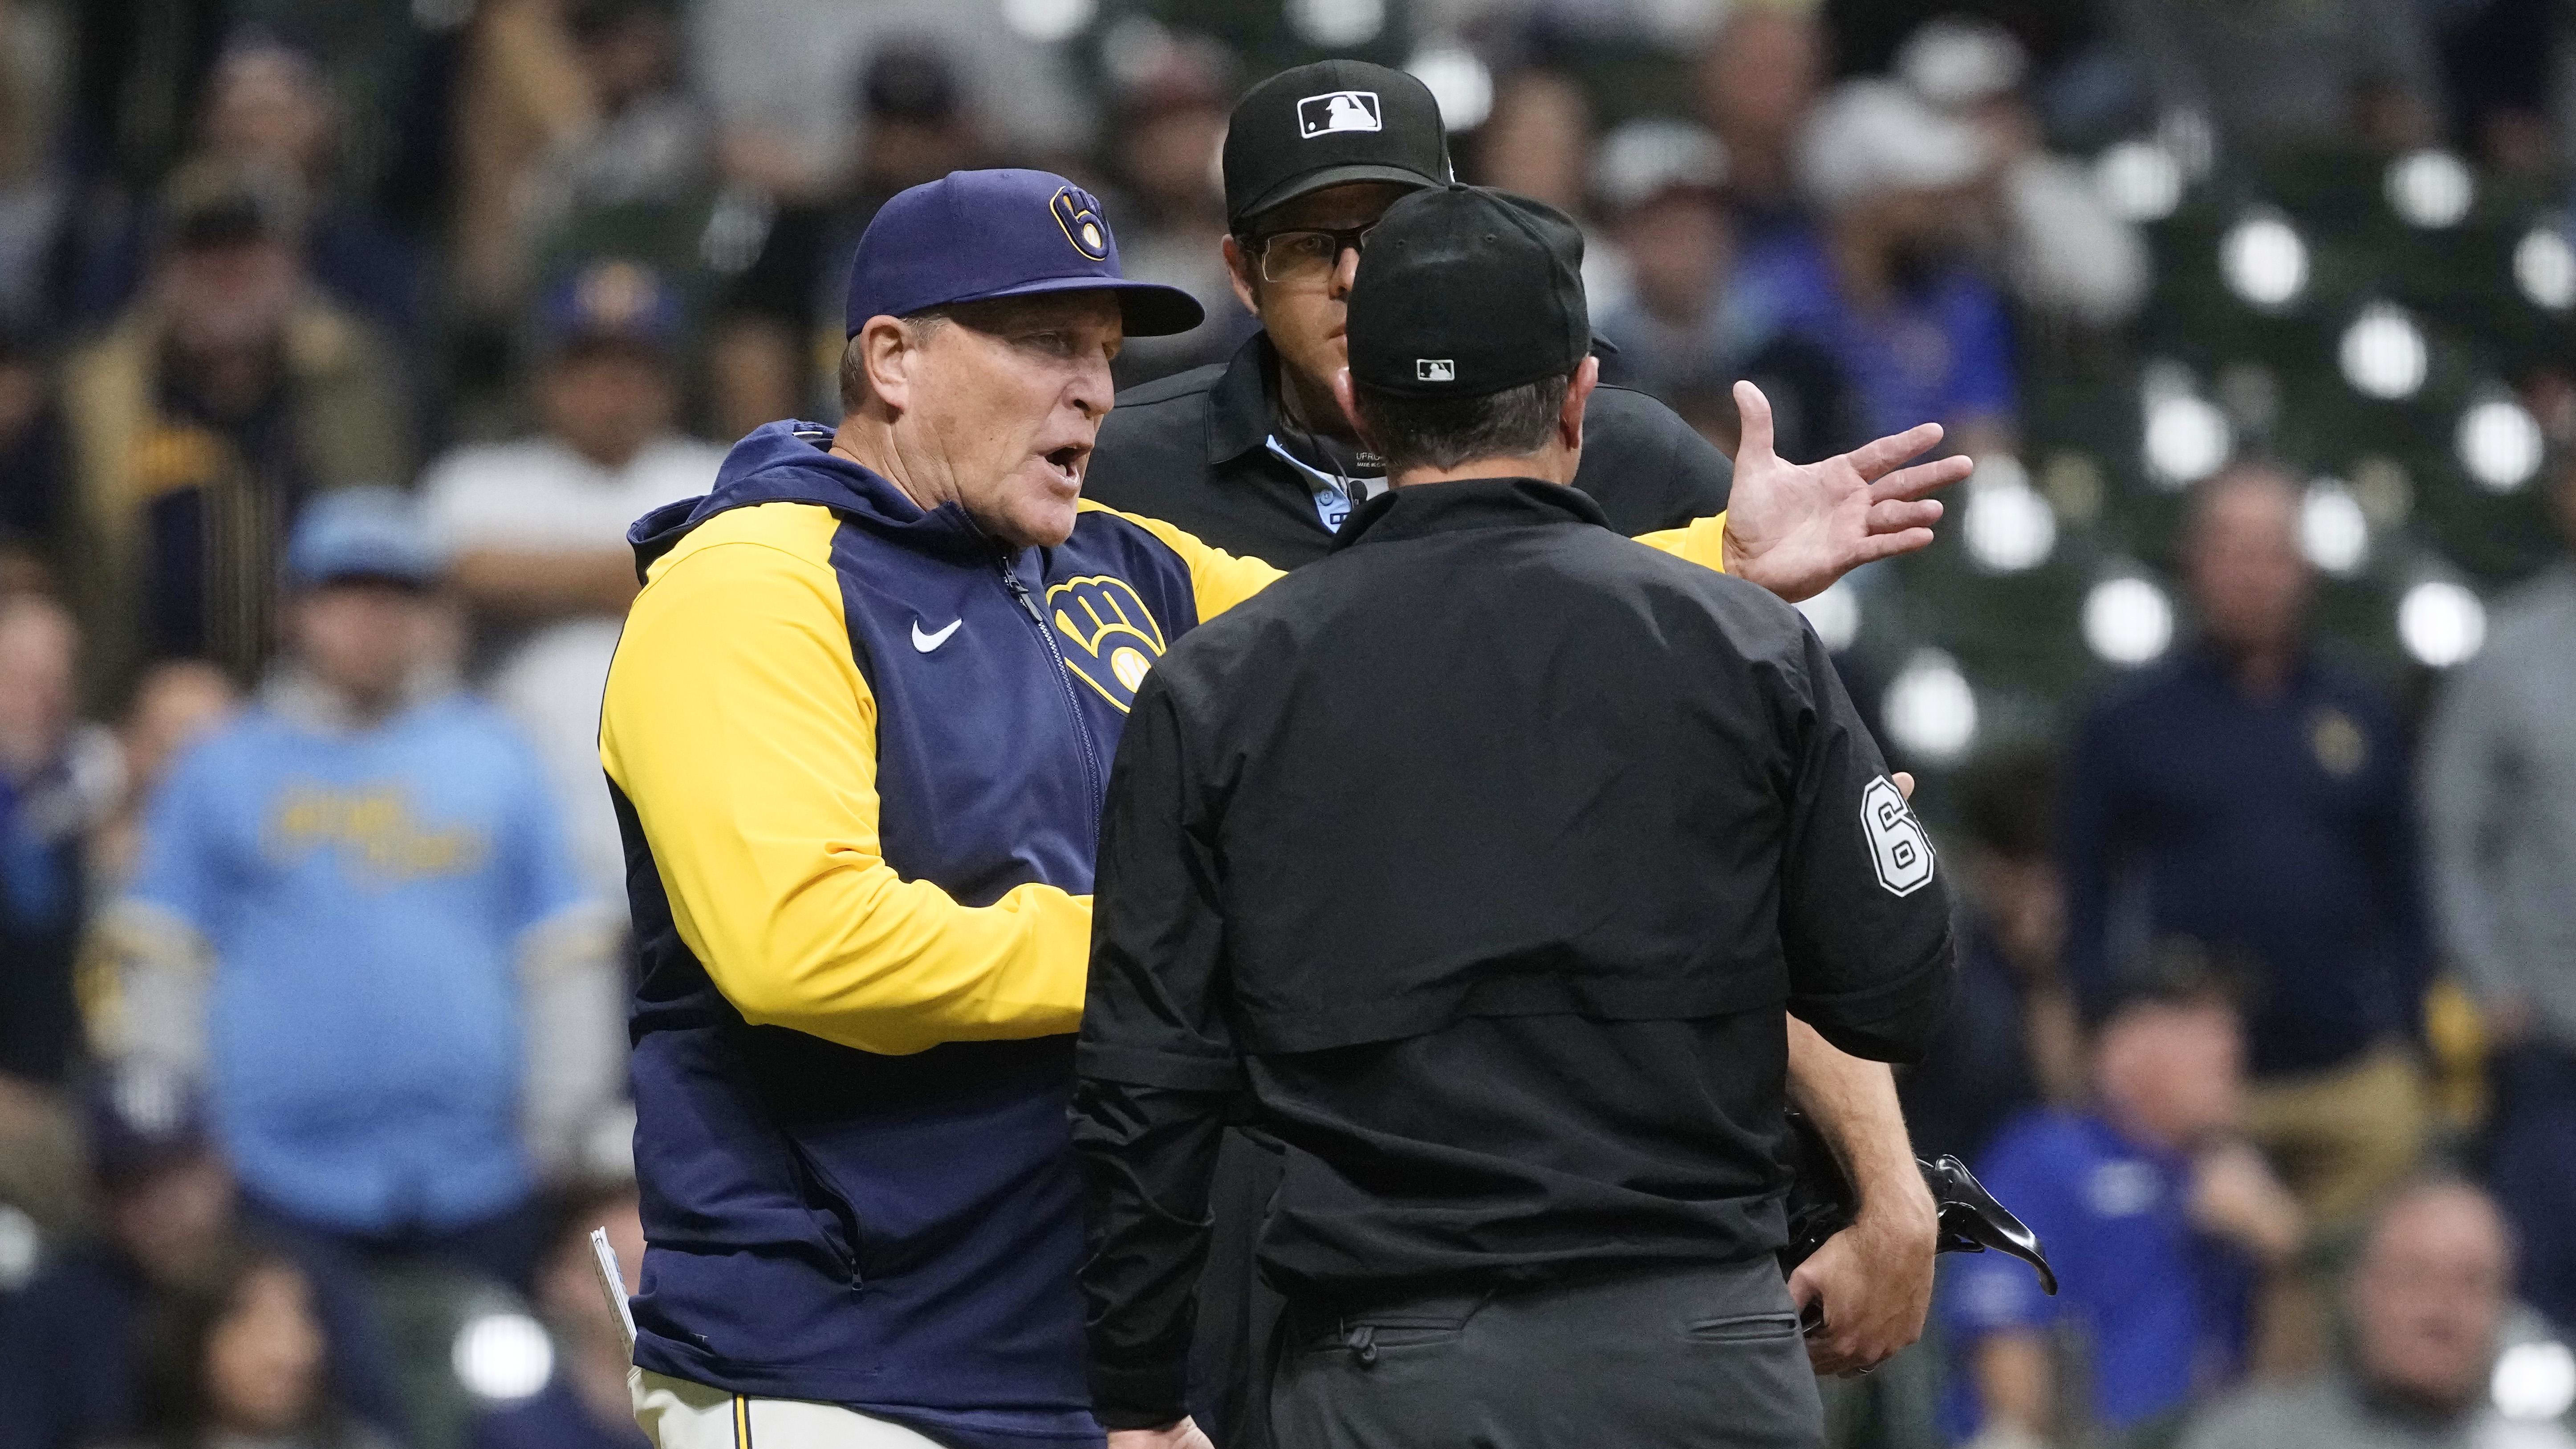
[340, 343]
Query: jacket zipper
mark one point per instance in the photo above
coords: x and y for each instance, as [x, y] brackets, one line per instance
[1064, 682]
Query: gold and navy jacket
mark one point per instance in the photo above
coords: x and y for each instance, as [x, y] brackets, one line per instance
[858, 752]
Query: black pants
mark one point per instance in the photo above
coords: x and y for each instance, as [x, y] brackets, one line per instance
[1692, 1358]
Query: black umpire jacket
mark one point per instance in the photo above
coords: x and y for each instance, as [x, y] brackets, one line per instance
[1482, 858]
[1203, 450]
[1195, 451]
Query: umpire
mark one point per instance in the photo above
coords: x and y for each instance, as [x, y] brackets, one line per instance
[1254, 453]
[1597, 821]
[1257, 457]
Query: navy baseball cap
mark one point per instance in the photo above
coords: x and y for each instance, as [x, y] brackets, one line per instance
[972, 236]
[361, 533]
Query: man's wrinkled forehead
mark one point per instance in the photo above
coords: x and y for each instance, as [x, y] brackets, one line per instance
[1355, 203]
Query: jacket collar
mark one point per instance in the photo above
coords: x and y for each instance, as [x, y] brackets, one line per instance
[1243, 401]
[789, 462]
[1429, 508]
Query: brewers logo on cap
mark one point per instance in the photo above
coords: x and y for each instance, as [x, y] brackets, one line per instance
[1337, 111]
[1081, 221]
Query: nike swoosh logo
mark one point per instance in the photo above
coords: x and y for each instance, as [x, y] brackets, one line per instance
[927, 642]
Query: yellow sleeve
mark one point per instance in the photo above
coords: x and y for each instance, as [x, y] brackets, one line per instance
[744, 735]
[1218, 579]
[1702, 541]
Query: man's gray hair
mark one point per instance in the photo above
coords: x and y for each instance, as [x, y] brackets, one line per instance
[1443, 432]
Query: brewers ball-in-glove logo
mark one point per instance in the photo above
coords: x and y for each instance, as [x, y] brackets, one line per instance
[1898, 849]
[1079, 215]
[1114, 636]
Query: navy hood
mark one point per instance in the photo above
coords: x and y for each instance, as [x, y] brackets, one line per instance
[787, 462]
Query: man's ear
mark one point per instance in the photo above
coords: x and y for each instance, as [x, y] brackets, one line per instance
[1569, 414]
[1350, 406]
[1238, 270]
[890, 352]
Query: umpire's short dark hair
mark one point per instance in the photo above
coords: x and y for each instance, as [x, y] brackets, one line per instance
[1443, 432]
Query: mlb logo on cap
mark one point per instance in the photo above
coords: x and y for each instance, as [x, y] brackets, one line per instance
[1338, 111]
[1464, 292]
[1327, 124]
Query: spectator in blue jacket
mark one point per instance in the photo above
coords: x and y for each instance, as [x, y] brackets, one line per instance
[353, 915]
[2157, 1216]
[2253, 798]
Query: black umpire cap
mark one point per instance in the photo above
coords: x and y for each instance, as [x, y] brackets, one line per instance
[1465, 291]
[1325, 124]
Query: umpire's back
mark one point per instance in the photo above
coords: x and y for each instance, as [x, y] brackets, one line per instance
[1528, 836]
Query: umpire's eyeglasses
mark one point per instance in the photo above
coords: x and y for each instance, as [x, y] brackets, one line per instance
[1308, 255]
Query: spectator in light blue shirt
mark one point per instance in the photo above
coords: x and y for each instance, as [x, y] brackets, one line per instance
[354, 915]
[2157, 1218]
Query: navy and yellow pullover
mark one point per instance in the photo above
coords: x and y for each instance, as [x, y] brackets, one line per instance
[858, 753]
